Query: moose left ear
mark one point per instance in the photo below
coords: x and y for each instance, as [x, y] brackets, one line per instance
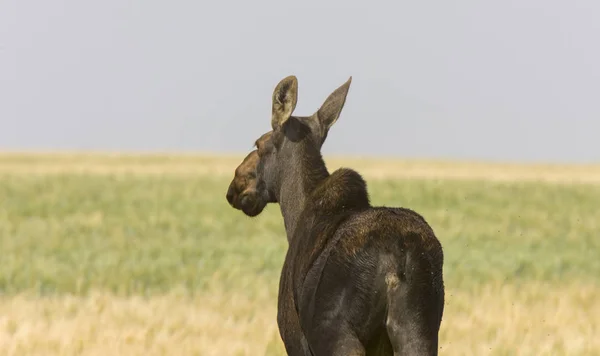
[285, 97]
[333, 105]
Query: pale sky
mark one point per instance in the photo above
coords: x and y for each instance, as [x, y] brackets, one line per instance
[500, 80]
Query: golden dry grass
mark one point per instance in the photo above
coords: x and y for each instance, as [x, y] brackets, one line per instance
[223, 165]
[104, 324]
[532, 319]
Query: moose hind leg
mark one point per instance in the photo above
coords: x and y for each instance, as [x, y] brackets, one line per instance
[337, 343]
[349, 346]
[408, 321]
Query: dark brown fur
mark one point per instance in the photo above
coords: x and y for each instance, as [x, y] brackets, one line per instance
[357, 279]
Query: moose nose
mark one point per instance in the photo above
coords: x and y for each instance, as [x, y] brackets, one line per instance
[230, 195]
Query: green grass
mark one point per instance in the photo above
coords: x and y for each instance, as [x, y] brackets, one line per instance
[142, 255]
[149, 234]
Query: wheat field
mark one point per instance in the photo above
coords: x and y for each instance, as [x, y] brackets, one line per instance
[112, 254]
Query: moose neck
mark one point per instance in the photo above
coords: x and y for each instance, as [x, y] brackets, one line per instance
[302, 172]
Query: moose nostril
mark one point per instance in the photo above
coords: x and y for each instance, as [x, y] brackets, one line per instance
[244, 200]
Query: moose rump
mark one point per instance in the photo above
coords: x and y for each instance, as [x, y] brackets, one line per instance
[373, 277]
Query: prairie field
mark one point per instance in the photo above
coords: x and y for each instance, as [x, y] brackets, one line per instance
[110, 254]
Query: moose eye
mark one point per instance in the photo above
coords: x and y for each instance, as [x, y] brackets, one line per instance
[264, 149]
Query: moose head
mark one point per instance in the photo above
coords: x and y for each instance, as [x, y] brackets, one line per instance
[281, 169]
[243, 193]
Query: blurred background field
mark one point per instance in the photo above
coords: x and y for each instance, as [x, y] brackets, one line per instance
[142, 255]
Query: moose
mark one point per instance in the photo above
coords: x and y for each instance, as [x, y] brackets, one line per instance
[357, 279]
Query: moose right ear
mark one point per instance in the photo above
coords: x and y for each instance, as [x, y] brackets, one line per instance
[333, 105]
[285, 97]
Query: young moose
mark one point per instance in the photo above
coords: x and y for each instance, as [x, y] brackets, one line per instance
[357, 279]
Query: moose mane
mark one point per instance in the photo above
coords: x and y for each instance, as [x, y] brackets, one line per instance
[343, 190]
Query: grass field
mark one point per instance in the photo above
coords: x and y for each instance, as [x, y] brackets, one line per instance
[141, 255]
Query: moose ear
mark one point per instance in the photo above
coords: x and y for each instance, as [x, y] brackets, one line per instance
[333, 105]
[285, 97]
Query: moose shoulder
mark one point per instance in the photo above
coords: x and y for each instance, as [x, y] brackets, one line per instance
[357, 279]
